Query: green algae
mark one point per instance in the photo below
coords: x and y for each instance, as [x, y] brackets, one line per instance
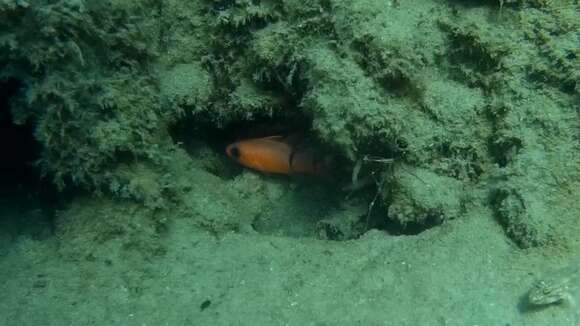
[441, 87]
[476, 103]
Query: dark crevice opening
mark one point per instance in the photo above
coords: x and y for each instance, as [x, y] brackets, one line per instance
[205, 141]
[17, 144]
[27, 202]
[411, 228]
[200, 134]
[378, 219]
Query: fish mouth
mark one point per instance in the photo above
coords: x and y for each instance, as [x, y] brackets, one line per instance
[233, 151]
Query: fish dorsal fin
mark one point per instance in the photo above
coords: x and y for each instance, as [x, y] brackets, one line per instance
[274, 138]
[294, 140]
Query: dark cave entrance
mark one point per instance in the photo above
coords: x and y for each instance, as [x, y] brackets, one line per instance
[306, 202]
[26, 201]
[200, 137]
[201, 134]
[17, 144]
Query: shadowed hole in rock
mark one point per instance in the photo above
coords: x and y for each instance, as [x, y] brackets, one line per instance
[306, 207]
[290, 205]
[27, 202]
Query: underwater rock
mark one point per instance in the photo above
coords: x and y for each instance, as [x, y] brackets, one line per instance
[423, 197]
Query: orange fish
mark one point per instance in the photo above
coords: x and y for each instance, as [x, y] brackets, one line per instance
[276, 154]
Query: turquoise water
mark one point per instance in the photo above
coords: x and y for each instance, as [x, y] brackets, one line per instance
[440, 141]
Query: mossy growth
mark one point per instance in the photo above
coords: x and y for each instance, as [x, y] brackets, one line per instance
[455, 99]
[89, 88]
[97, 229]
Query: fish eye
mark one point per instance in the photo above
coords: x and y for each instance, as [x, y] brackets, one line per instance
[235, 152]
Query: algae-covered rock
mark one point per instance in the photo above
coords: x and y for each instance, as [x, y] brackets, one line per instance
[458, 94]
[88, 83]
[534, 199]
[527, 220]
[77, 62]
[93, 228]
[347, 109]
[425, 198]
[185, 86]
